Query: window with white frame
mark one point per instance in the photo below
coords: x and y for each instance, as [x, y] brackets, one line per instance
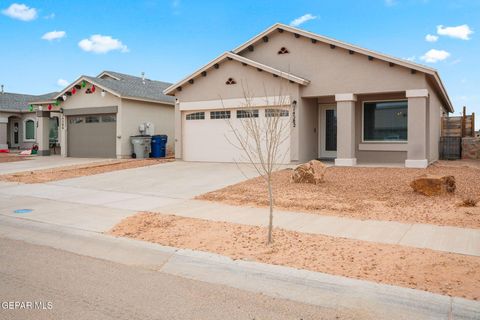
[220, 115]
[29, 130]
[196, 116]
[385, 120]
[276, 113]
[247, 114]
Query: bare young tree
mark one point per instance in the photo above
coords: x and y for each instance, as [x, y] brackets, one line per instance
[262, 133]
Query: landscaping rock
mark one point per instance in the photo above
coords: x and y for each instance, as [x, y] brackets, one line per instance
[311, 172]
[431, 185]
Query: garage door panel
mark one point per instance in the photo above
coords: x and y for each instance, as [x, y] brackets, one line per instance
[213, 139]
[92, 136]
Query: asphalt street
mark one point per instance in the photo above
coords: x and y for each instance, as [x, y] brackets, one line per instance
[79, 287]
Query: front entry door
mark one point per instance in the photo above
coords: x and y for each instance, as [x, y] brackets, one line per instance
[328, 131]
[15, 134]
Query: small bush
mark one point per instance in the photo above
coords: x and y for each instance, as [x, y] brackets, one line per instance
[469, 202]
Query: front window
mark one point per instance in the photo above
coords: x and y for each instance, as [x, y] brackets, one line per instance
[247, 114]
[29, 130]
[220, 115]
[385, 121]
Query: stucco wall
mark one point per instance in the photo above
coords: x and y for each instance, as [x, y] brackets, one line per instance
[333, 70]
[8, 129]
[435, 110]
[308, 129]
[254, 83]
[136, 112]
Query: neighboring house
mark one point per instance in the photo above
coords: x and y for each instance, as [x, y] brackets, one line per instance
[344, 102]
[99, 114]
[18, 121]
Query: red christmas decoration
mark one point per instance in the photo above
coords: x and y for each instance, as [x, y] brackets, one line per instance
[49, 107]
[74, 91]
[93, 88]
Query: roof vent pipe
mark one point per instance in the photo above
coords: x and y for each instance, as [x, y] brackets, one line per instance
[1, 90]
[143, 77]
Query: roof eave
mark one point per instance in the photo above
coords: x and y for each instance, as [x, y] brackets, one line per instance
[88, 79]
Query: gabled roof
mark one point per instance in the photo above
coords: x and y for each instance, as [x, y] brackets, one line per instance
[232, 56]
[401, 62]
[20, 102]
[126, 86]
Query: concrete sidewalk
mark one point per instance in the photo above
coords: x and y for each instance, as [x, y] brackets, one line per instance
[367, 300]
[95, 209]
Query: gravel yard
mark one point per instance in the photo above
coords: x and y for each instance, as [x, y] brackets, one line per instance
[367, 193]
[444, 273]
[12, 157]
[74, 171]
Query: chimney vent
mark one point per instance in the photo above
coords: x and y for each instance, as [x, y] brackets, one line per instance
[1, 90]
[143, 77]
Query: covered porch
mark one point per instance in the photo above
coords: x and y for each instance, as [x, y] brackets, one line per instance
[394, 128]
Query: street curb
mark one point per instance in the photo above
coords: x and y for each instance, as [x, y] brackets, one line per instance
[363, 298]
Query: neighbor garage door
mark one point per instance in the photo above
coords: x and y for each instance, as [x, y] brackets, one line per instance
[92, 136]
[207, 136]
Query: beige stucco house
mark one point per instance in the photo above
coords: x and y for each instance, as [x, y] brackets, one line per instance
[343, 102]
[97, 115]
[18, 121]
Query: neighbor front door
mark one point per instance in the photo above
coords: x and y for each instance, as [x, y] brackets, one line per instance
[328, 132]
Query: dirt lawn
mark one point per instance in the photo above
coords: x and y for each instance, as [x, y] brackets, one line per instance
[367, 193]
[444, 273]
[74, 171]
[12, 157]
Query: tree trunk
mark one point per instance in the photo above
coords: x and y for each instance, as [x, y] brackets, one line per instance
[270, 220]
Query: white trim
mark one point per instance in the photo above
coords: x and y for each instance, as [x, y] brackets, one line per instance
[84, 78]
[339, 97]
[346, 162]
[108, 74]
[234, 103]
[381, 141]
[25, 130]
[416, 163]
[400, 146]
[417, 93]
[229, 55]
[347, 46]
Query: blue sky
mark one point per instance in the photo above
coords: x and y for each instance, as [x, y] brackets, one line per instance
[170, 39]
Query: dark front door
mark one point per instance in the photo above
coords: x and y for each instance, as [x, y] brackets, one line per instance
[15, 133]
[330, 130]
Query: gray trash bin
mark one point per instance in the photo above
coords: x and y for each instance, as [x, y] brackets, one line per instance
[141, 146]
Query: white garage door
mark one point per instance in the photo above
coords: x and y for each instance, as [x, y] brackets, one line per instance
[207, 136]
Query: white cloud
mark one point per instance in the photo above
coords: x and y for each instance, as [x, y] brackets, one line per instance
[54, 35]
[390, 3]
[435, 55]
[431, 38]
[20, 12]
[62, 83]
[300, 20]
[98, 43]
[460, 32]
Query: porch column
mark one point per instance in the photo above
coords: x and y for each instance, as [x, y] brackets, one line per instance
[345, 129]
[417, 128]
[178, 131]
[43, 131]
[3, 133]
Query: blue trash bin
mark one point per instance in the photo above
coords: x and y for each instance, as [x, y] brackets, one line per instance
[159, 145]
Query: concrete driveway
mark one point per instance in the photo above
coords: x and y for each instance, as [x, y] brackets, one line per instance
[182, 180]
[38, 163]
[98, 202]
